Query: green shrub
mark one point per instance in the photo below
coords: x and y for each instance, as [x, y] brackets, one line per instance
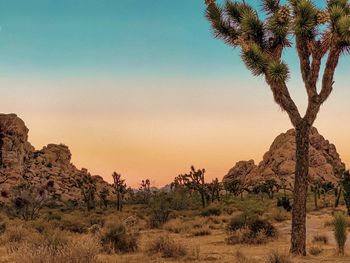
[241, 221]
[116, 238]
[211, 211]
[166, 247]
[340, 231]
[262, 226]
[284, 203]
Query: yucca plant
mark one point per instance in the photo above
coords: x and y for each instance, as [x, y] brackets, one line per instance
[340, 231]
[317, 34]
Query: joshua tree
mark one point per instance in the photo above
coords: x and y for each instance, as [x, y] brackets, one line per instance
[103, 194]
[214, 189]
[120, 189]
[87, 187]
[28, 200]
[318, 34]
[194, 180]
[145, 190]
[346, 189]
[235, 187]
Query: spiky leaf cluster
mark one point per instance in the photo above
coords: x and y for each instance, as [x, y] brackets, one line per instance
[262, 42]
[277, 71]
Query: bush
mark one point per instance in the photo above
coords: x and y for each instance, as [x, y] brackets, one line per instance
[211, 211]
[116, 238]
[201, 232]
[257, 231]
[262, 226]
[279, 215]
[315, 251]
[276, 257]
[285, 203]
[320, 239]
[340, 231]
[160, 210]
[241, 221]
[167, 248]
[74, 225]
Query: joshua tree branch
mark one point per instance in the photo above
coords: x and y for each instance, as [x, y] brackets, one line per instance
[328, 76]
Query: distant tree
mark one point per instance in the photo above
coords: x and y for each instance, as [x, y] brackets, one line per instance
[28, 200]
[234, 186]
[315, 188]
[145, 191]
[195, 181]
[87, 186]
[346, 189]
[103, 195]
[120, 189]
[214, 189]
[318, 34]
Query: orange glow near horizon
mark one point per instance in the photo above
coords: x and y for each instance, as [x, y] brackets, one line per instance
[158, 135]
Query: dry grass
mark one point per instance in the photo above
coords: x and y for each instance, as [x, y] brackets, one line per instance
[166, 247]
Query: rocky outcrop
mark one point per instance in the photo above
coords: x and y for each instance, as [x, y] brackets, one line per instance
[240, 172]
[279, 162]
[50, 166]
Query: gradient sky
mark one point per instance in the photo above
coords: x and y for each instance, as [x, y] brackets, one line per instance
[142, 87]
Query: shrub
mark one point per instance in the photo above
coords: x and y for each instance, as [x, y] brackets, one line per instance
[160, 210]
[284, 203]
[257, 231]
[240, 257]
[167, 248]
[320, 239]
[176, 226]
[116, 238]
[315, 251]
[279, 215]
[159, 217]
[240, 221]
[276, 257]
[262, 226]
[82, 250]
[340, 231]
[74, 225]
[211, 211]
[201, 232]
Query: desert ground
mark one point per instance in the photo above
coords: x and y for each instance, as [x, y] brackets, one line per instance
[187, 236]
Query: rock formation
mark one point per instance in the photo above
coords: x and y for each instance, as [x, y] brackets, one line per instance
[52, 166]
[279, 162]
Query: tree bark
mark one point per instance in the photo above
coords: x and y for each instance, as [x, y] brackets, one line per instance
[298, 237]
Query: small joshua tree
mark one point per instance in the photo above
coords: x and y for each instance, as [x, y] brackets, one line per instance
[120, 189]
[346, 189]
[340, 231]
[194, 180]
[318, 34]
[87, 187]
[103, 195]
[28, 200]
[145, 191]
[214, 189]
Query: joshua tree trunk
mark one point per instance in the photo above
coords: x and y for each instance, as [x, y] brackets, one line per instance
[300, 189]
[337, 198]
[315, 200]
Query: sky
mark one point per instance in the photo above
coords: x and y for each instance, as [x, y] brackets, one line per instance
[143, 88]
